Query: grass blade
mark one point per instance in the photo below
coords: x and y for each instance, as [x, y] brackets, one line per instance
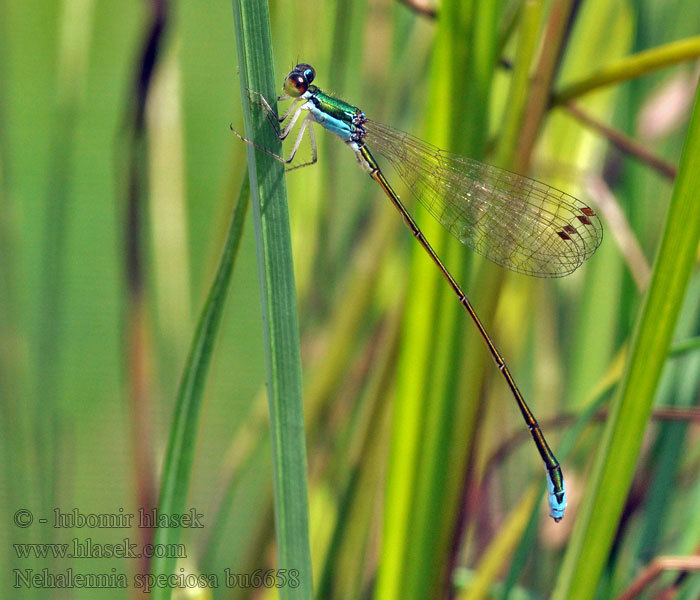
[180, 453]
[631, 67]
[601, 510]
[278, 297]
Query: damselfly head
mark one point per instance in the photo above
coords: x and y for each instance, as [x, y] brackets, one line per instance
[299, 79]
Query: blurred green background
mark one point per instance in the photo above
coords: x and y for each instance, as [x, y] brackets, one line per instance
[401, 482]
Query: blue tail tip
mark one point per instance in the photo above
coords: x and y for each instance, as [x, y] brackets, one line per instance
[557, 500]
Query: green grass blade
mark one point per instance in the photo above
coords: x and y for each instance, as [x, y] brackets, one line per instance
[631, 67]
[678, 388]
[278, 297]
[420, 510]
[689, 345]
[180, 453]
[622, 439]
[531, 17]
[501, 547]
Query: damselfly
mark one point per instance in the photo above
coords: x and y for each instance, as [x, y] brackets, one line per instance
[515, 221]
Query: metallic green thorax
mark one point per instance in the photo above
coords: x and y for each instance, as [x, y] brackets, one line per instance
[334, 107]
[341, 118]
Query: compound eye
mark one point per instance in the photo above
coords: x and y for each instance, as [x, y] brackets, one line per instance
[307, 71]
[296, 84]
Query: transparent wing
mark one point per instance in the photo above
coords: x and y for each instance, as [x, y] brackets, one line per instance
[517, 222]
